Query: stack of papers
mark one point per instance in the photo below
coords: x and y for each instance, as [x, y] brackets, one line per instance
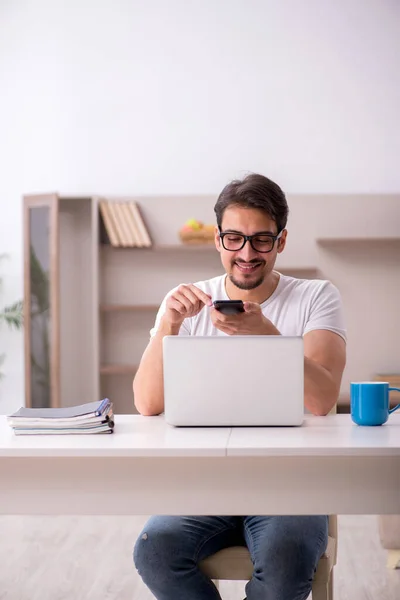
[92, 417]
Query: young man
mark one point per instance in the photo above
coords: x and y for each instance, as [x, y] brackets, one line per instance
[251, 230]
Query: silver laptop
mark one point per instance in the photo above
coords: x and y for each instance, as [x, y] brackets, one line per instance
[233, 380]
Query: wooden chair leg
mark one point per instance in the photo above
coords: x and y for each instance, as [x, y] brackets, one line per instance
[320, 591]
[393, 559]
[330, 586]
[323, 591]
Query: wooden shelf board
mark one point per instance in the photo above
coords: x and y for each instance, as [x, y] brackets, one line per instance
[188, 246]
[203, 248]
[165, 247]
[128, 307]
[110, 369]
[357, 240]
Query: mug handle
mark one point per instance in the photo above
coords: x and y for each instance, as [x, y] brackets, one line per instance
[398, 406]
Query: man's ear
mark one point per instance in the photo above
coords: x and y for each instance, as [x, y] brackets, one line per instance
[282, 241]
[217, 239]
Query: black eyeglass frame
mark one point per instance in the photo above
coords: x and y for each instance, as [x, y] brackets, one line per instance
[249, 238]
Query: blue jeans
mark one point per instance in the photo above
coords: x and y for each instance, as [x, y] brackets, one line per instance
[285, 552]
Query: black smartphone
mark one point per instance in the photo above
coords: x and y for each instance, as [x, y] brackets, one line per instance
[229, 307]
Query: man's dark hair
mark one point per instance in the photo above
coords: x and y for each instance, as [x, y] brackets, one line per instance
[254, 191]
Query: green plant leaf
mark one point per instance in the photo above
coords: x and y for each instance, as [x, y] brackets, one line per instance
[13, 315]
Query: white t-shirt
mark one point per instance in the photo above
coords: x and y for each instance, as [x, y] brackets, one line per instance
[296, 307]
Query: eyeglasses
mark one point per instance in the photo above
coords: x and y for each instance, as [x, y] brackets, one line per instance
[260, 242]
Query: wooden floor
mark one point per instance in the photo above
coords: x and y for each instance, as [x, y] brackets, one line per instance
[82, 558]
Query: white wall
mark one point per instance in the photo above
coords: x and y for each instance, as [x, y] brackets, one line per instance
[178, 96]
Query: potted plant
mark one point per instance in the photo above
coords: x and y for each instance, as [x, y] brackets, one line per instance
[11, 316]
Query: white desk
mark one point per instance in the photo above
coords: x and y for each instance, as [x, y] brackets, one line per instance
[146, 467]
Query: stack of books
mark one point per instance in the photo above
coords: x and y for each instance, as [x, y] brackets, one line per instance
[92, 417]
[123, 225]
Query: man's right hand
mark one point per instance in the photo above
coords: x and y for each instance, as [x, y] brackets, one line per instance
[186, 301]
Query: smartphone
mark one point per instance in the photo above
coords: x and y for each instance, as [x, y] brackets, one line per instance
[229, 307]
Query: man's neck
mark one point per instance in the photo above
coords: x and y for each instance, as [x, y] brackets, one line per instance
[259, 294]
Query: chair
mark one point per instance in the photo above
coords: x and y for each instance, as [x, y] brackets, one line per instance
[235, 564]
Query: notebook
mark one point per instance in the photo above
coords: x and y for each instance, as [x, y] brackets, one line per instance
[81, 411]
[92, 417]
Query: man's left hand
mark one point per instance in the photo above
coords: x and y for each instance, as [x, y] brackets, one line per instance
[250, 322]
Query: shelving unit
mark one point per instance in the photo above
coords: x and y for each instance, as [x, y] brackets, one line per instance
[101, 300]
[98, 303]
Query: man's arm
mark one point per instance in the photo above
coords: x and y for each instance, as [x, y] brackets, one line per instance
[324, 363]
[148, 384]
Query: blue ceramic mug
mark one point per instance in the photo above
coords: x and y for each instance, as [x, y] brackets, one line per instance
[369, 402]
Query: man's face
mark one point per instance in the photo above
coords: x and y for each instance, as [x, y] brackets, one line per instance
[247, 268]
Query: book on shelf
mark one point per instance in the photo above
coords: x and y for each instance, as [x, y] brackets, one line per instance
[124, 224]
[91, 417]
[108, 220]
[138, 220]
[123, 229]
[113, 212]
[129, 225]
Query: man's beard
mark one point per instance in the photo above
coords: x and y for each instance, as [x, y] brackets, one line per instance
[247, 285]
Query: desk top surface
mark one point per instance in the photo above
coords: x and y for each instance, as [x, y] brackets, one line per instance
[137, 436]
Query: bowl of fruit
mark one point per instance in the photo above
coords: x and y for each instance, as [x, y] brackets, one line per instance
[196, 232]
